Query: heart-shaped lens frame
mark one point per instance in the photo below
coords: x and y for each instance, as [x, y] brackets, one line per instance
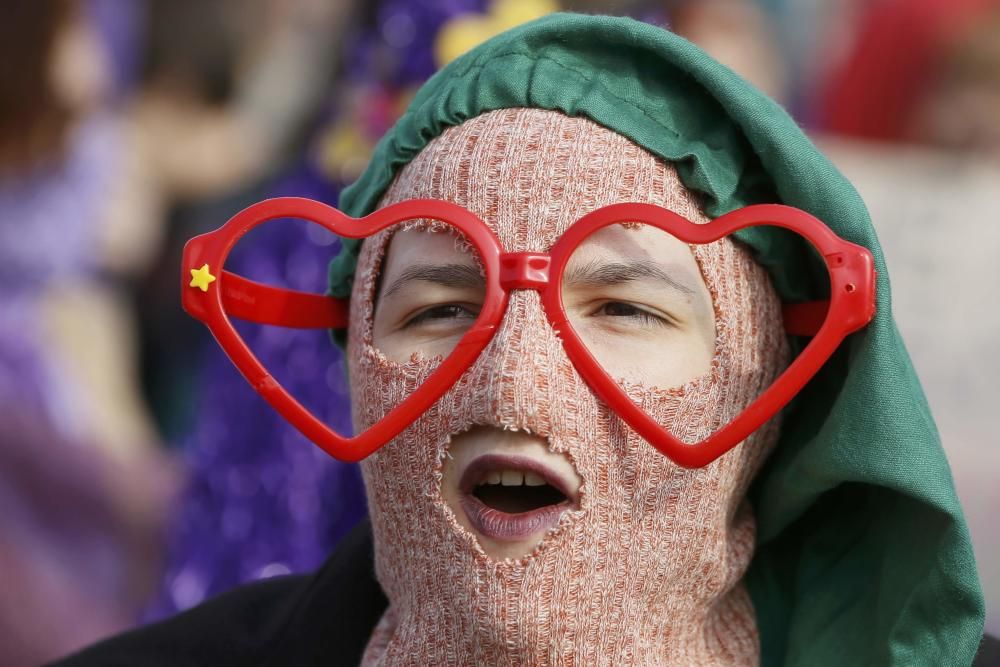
[852, 305]
[213, 297]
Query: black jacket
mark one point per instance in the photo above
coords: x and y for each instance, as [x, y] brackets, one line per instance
[320, 619]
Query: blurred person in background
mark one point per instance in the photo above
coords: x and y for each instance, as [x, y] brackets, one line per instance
[82, 484]
[738, 33]
[226, 92]
[88, 177]
[918, 71]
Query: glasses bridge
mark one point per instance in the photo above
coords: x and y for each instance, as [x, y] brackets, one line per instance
[524, 270]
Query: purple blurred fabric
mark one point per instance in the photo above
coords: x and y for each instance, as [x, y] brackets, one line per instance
[119, 26]
[262, 499]
[48, 235]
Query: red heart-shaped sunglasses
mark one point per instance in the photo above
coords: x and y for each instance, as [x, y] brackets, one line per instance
[213, 295]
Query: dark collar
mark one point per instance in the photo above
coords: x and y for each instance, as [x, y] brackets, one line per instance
[335, 614]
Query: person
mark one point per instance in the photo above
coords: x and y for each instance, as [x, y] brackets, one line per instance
[80, 468]
[830, 535]
[931, 84]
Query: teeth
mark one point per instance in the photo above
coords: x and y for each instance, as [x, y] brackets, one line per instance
[533, 479]
[512, 478]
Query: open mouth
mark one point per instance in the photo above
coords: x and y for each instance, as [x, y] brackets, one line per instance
[514, 492]
[511, 498]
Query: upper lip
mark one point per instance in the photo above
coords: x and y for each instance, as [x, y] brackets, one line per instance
[477, 469]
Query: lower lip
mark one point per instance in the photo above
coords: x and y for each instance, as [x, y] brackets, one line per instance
[506, 527]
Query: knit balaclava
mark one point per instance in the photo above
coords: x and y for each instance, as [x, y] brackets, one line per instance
[647, 570]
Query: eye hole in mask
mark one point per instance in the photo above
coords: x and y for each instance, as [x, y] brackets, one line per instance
[635, 296]
[429, 292]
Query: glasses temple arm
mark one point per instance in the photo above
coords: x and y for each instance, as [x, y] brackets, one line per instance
[804, 319]
[255, 302]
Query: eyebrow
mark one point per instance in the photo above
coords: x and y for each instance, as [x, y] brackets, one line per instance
[593, 273]
[596, 273]
[447, 275]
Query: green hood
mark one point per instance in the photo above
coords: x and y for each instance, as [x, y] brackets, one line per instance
[863, 555]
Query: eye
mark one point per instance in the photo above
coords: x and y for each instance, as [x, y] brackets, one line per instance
[623, 310]
[442, 313]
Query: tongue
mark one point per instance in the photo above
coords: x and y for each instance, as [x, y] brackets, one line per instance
[518, 499]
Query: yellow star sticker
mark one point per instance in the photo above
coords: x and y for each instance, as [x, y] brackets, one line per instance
[201, 278]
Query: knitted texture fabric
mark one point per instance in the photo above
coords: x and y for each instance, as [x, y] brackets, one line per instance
[648, 568]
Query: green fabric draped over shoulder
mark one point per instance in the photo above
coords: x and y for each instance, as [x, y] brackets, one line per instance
[863, 554]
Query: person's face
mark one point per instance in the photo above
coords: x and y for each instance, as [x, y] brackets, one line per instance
[80, 71]
[636, 297]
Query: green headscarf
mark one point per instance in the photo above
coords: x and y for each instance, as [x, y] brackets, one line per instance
[863, 556]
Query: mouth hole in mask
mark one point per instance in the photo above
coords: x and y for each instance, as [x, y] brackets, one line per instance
[514, 492]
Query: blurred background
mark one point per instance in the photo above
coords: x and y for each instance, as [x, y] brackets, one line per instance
[139, 474]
